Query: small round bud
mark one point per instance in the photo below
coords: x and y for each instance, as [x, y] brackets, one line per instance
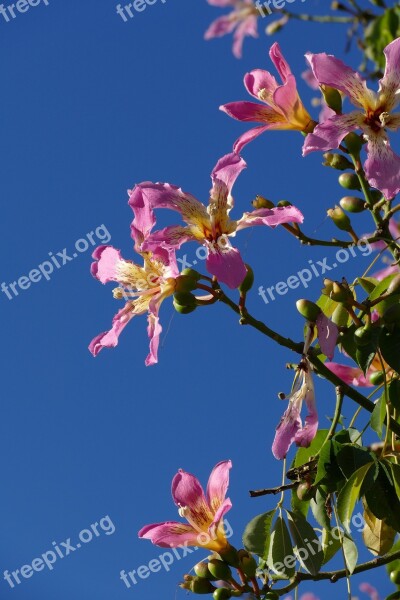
[271, 596]
[337, 161]
[261, 202]
[395, 577]
[185, 283]
[351, 203]
[184, 303]
[340, 219]
[191, 273]
[222, 594]
[354, 143]
[332, 98]
[284, 203]
[339, 292]
[248, 281]
[377, 378]
[305, 492]
[362, 336]
[349, 181]
[197, 585]
[219, 569]
[201, 570]
[309, 310]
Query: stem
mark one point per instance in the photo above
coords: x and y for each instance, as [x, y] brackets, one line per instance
[275, 490]
[304, 239]
[318, 18]
[336, 416]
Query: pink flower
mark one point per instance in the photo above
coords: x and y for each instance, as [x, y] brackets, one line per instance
[370, 590]
[242, 20]
[290, 428]
[283, 110]
[211, 225]
[351, 375]
[203, 512]
[144, 288]
[374, 116]
[328, 334]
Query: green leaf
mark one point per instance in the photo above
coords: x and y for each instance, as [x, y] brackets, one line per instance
[257, 534]
[348, 343]
[303, 455]
[350, 553]
[394, 394]
[327, 305]
[368, 283]
[350, 493]
[378, 415]
[382, 499]
[307, 545]
[330, 545]
[380, 289]
[318, 509]
[366, 354]
[395, 469]
[280, 556]
[389, 343]
[350, 458]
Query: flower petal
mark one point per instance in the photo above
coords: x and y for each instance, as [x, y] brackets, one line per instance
[382, 166]
[144, 220]
[188, 493]
[286, 430]
[390, 83]
[306, 434]
[350, 375]
[328, 334]
[221, 2]
[281, 64]
[170, 534]
[154, 330]
[331, 71]
[105, 267]
[250, 111]
[259, 80]
[250, 135]
[329, 134]
[246, 28]
[169, 237]
[218, 483]
[221, 26]
[109, 339]
[228, 169]
[226, 265]
[271, 217]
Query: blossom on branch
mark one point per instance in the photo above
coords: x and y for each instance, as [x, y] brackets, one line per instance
[242, 21]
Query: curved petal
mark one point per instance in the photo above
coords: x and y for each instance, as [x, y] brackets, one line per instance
[188, 494]
[228, 169]
[248, 27]
[221, 26]
[281, 64]
[270, 216]
[154, 330]
[287, 100]
[329, 134]
[109, 339]
[218, 483]
[226, 265]
[144, 220]
[250, 111]
[170, 237]
[331, 71]
[250, 135]
[259, 80]
[105, 267]
[390, 83]
[170, 534]
[382, 166]
[286, 431]
[306, 434]
[350, 375]
[328, 334]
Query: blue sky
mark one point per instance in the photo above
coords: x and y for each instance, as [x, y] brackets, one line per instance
[92, 105]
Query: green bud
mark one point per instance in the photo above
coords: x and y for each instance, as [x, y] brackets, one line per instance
[197, 585]
[395, 577]
[201, 570]
[337, 161]
[352, 204]
[349, 181]
[284, 203]
[309, 310]
[248, 564]
[377, 378]
[340, 219]
[222, 594]
[261, 202]
[271, 596]
[184, 302]
[354, 143]
[305, 492]
[219, 569]
[230, 555]
[339, 292]
[392, 315]
[394, 286]
[248, 281]
[185, 283]
[191, 273]
[332, 98]
[276, 26]
[362, 336]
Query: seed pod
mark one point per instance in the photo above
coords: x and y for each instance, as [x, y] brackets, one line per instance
[349, 181]
[351, 203]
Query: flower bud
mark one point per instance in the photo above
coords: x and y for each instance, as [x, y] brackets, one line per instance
[354, 143]
[184, 302]
[222, 594]
[339, 292]
[191, 273]
[340, 219]
[349, 181]
[394, 286]
[201, 570]
[247, 563]
[309, 310]
[219, 569]
[305, 492]
[185, 283]
[337, 161]
[284, 203]
[351, 203]
[363, 336]
[332, 98]
[230, 555]
[276, 26]
[377, 378]
[261, 202]
[248, 281]
[197, 585]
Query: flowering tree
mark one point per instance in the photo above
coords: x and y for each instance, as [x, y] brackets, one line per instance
[332, 469]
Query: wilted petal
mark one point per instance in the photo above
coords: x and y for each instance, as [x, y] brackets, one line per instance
[382, 166]
[218, 484]
[287, 429]
[170, 534]
[329, 134]
[331, 71]
[271, 217]
[227, 265]
[328, 334]
[350, 375]
[390, 83]
[305, 436]
[109, 339]
[154, 330]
